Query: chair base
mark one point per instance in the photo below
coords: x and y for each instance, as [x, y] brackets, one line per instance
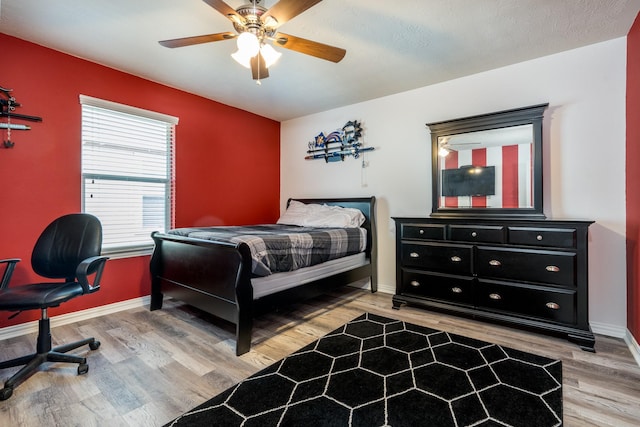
[45, 354]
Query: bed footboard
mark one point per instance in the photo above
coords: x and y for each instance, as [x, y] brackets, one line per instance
[212, 276]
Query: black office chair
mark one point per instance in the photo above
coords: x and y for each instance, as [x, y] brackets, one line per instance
[68, 249]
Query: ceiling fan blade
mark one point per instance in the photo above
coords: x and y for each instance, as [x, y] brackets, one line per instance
[224, 9]
[188, 41]
[284, 10]
[308, 47]
[259, 70]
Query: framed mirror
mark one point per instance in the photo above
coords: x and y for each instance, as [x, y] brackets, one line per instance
[489, 165]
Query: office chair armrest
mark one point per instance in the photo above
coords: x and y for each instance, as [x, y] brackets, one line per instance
[8, 271]
[87, 268]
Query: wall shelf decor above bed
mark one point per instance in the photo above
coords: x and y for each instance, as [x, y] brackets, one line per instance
[338, 144]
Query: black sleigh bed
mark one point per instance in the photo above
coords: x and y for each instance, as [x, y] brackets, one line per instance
[219, 277]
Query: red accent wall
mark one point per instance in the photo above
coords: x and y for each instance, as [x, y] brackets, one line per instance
[227, 160]
[510, 176]
[633, 178]
[479, 158]
[451, 162]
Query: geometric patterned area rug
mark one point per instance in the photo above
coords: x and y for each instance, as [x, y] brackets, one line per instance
[376, 371]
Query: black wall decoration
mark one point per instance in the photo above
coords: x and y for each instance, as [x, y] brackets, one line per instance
[8, 104]
[338, 144]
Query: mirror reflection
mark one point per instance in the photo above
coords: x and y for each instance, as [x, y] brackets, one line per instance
[487, 169]
[489, 165]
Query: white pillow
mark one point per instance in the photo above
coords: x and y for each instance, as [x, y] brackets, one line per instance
[322, 216]
[295, 214]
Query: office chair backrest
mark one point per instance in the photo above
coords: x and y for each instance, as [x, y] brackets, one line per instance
[64, 244]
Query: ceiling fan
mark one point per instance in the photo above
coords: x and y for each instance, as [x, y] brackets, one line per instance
[255, 26]
[446, 145]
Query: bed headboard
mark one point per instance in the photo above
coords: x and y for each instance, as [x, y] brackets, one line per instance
[365, 204]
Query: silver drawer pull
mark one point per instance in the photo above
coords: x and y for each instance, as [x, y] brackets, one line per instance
[495, 263]
[414, 255]
[495, 296]
[552, 305]
[421, 231]
[539, 237]
[415, 283]
[552, 268]
[474, 234]
[456, 258]
[456, 290]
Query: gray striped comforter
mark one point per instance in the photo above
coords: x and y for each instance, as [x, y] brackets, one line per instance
[276, 248]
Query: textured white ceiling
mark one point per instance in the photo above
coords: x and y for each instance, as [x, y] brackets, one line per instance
[392, 46]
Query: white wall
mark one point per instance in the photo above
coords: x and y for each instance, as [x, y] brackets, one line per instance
[584, 155]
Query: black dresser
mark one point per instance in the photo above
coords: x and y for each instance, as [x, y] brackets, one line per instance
[527, 273]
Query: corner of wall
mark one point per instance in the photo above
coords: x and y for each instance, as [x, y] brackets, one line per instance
[632, 177]
[633, 346]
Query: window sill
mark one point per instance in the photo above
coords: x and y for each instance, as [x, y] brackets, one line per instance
[118, 253]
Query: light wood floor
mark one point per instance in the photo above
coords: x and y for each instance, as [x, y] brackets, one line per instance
[152, 366]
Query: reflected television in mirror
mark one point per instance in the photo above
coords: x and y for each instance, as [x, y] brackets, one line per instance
[469, 180]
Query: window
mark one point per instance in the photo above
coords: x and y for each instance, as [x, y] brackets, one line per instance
[127, 173]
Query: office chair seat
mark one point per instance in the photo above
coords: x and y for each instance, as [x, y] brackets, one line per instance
[69, 250]
[38, 295]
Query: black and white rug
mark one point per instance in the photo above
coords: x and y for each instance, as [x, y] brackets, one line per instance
[376, 371]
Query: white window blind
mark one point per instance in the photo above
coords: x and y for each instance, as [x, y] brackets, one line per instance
[127, 173]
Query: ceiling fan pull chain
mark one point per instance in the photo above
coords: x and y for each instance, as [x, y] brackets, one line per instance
[258, 82]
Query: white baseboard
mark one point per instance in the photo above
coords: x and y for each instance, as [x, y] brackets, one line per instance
[618, 332]
[386, 289]
[633, 346]
[366, 284]
[76, 316]
[608, 329]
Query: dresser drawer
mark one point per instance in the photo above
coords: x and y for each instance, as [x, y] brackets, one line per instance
[440, 257]
[477, 233]
[557, 305]
[437, 286]
[556, 237]
[424, 231]
[558, 268]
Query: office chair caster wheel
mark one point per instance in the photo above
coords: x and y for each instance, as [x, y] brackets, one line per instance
[6, 393]
[83, 368]
[94, 345]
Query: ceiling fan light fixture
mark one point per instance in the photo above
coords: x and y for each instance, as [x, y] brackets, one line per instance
[269, 54]
[248, 44]
[242, 59]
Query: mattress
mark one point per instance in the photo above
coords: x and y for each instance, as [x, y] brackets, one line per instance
[263, 286]
[279, 248]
